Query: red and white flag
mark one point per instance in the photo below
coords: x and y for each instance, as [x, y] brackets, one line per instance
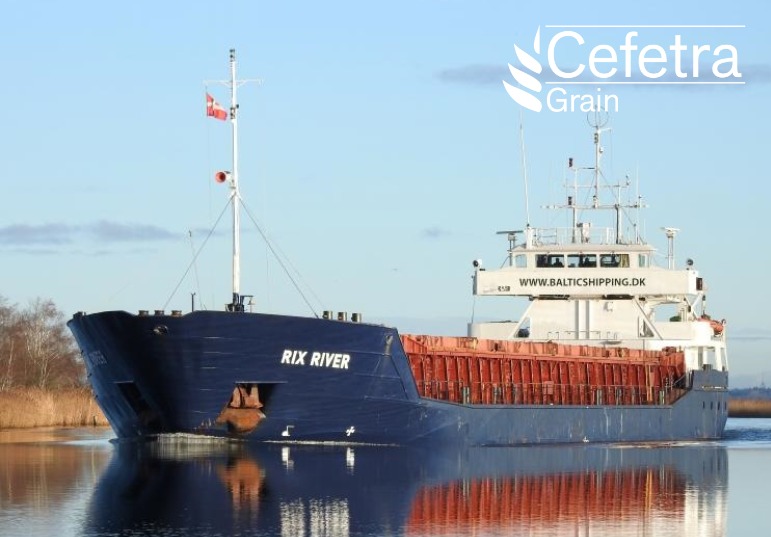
[214, 109]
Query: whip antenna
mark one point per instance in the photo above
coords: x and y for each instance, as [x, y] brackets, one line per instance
[524, 164]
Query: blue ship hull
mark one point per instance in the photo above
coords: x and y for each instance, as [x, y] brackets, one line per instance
[323, 380]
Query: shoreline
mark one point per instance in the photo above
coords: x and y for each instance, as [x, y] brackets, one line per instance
[749, 408]
[30, 408]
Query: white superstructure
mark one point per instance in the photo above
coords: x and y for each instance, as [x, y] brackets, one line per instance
[591, 285]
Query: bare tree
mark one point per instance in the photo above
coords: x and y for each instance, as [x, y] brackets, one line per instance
[49, 351]
[8, 320]
[36, 349]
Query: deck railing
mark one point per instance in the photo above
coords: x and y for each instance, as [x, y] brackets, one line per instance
[569, 235]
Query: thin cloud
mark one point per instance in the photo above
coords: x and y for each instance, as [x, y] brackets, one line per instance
[105, 231]
[34, 251]
[23, 234]
[435, 233]
[476, 74]
[108, 253]
[751, 337]
[59, 234]
[201, 232]
[757, 73]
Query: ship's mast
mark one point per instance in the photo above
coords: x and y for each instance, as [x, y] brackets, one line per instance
[574, 206]
[232, 177]
[237, 304]
[598, 150]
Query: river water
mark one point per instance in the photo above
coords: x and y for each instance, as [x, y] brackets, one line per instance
[76, 482]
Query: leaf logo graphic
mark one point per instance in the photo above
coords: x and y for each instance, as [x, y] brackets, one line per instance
[524, 78]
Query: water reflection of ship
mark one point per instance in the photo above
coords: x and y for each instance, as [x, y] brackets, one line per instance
[581, 490]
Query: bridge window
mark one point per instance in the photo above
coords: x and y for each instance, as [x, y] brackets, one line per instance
[555, 260]
[642, 260]
[550, 261]
[582, 260]
[608, 260]
[520, 261]
[614, 260]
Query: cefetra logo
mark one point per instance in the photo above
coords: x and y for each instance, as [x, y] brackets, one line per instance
[521, 97]
[607, 57]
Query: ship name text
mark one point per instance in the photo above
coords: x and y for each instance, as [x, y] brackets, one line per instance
[582, 282]
[335, 360]
[95, 358]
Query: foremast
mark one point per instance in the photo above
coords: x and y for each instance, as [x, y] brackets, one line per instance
[237, 303]
[235, 194]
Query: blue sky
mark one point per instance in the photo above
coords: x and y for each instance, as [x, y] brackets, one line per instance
[381, 153]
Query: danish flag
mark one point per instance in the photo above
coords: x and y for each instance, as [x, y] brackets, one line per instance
[214, 109]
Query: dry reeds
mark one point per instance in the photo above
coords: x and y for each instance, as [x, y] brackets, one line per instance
[32, 407]
[23, 408]
[749, 408]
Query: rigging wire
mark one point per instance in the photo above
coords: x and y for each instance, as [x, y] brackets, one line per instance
[195, 268]
[277, 253]
[524, 163]
[211, 232]
[278, 257]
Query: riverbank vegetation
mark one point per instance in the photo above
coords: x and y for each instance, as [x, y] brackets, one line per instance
[749, 408]
[36, 407]
[750, 403]
[36, 349]
[42, 376]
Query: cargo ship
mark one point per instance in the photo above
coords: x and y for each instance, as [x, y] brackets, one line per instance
[611, 347]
